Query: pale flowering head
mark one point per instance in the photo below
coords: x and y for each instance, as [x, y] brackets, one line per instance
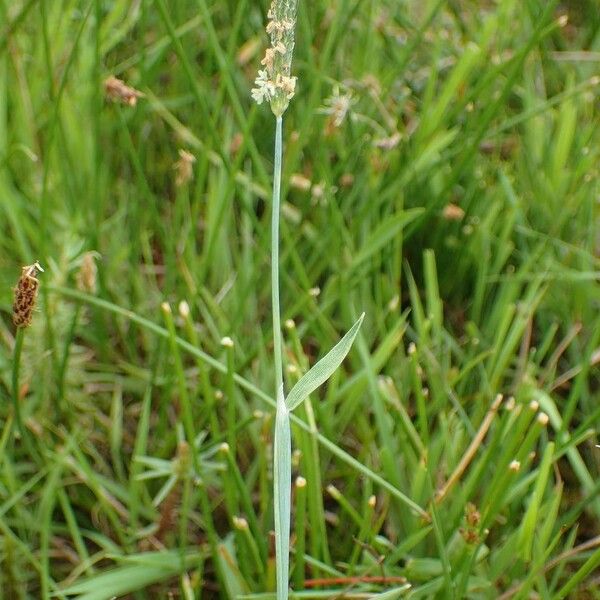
[274, 83]
[265, 88]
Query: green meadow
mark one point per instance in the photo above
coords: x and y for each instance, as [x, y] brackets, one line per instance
[440, 174]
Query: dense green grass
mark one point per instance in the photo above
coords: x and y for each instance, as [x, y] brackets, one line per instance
[408, 461]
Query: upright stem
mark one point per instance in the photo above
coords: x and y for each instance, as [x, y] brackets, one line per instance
[282, 445]
[277, 347]
[15, 380]
[16, 392]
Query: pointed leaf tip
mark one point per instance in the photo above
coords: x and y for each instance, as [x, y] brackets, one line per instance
[323, 369]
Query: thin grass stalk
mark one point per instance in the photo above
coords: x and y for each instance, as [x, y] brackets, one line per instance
[15, 380]
[282, 444]
[277, 347]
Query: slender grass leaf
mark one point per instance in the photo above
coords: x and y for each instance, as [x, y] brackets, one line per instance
[142, 571]
[233, 580]
[323, 370]
[531, 517]
[385, 232]
[118, 582]
[327, 594]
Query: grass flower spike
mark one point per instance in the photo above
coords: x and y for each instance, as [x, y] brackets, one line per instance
[25, 295]
[274, 83]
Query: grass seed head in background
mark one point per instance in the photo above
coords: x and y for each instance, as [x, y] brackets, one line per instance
[25, 295]
[87, 274]
[118, 91]
[274, 83]
[184, 168]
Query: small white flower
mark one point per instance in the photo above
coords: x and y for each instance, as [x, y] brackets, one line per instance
[258, 95]
[265, 88]
[267, 61]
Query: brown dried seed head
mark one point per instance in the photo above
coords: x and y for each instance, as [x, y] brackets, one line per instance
[118, 90]
[25, 295]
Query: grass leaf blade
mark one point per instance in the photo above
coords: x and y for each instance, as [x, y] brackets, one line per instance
[323, 370]
[384, 233]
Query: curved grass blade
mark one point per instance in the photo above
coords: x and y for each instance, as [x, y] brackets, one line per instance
[323, 370]
[134, 573]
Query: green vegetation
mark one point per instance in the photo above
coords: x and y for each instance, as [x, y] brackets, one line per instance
[440, 174]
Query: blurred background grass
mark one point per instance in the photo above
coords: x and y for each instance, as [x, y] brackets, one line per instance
[441, 174]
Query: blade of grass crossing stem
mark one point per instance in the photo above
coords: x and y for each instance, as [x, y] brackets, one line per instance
[242, 382]
[323, 370]
[282, 479]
